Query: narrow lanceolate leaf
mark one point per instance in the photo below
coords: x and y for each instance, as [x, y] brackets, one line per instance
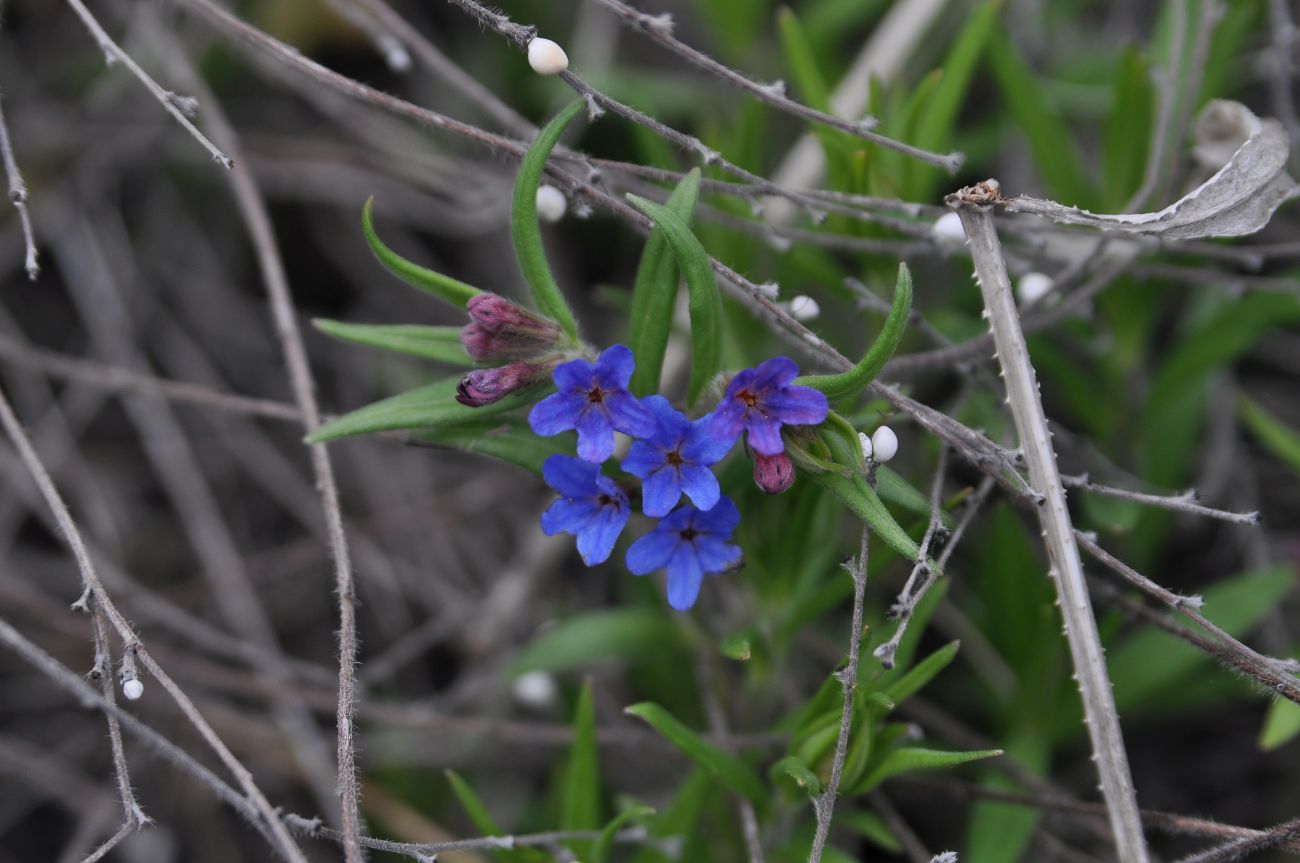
[1277, 437]
[705, 301]
[854, 491]
[856, 379]
[425, 407]
[729, 770]
[580, 803]
[921, 673]
[525, 232]
[907, 759]
[655, 293]
[630, 634]
[798, 771]
[441, 344]
[506, 438]
[1281, 725]
[443, 287]
[1239, 199]
[483, 822]
[605, 843]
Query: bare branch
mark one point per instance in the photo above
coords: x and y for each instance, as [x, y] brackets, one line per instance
[1186, 502]
[18, 196]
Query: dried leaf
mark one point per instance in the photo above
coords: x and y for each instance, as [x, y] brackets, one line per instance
[1239, 199]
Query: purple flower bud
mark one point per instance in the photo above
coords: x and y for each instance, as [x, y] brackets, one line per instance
[485, 386]
[773, 473]
[496, 314]
[486, 346]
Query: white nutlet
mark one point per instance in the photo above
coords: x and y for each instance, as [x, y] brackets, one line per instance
[884, 444]
[132, 689]
[804, 308]
[536, 689]
[865, 440]
[551, 204]
[1032, 287]
[547, 57]
[947, 229]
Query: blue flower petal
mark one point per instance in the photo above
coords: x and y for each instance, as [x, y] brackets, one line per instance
[684, 577]
[595, 436]
[727, 421]
[797, 405]
[568, 516]
[714, 554]
[702, 446]
[765, 436]
[643, 459]
[699, 484]
[555, 413]
[660, 493]
[672, 422]
[629, 416]
[614, 368]
[652, 551]
[569, 476]
[575, 374]
[720, 519]
[773, 373]
[596, 539]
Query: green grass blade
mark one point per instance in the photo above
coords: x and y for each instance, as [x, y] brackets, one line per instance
[443, 287]
[600, 852]
[526, 233]
[856, 379]
[907, 759]
[729, 770]
[1278, 438]
[705, 301]
[921, 673]
[441, 344]
[580, 803]
[631, 634]
[655, 292]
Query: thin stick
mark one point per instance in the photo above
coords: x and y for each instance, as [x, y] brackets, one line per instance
[973, 206]
[658, 28]
[1239, 848]
[1166, 81]
[824, 803]
[109, 844]
[94, 592]
[1185, 502]
[117, 379]
[252, 207]
[169, 100]
[923, 575]
[18, 196]
[103, 670]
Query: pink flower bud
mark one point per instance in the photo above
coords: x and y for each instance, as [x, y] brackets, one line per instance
[496, 314]
[486, 346]
[485, 386]
[773, 473]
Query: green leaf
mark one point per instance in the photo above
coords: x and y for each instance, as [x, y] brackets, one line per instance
[526, 233]
[799, 772]
[483, 822]
[1278, 438]
[600, 852]
[580, 801]
[801, 60]
[737, 646]
[1050, 140]
[1281, 725]
[729, 770]
[655, 293]
[425, 407]
[1128, 130]
[859, 497]
[441, 344]
[443, 287]
[631, 634]
[508, 439]
[907, 759]
[871, 827]
[1151, 664]
[922, 673]
[856, 379]
[705, 301]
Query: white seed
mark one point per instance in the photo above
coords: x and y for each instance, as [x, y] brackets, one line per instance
[804, 308]
[132, 689]
[551, 204]
[547, 57]
[866, 445]
[1032, 287]
[947, 229]
[536, 689]
[884, 444]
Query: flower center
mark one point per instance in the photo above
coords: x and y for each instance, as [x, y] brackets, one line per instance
[748, 398]
[595, 395]
[674, 459]
[604, 500]
[689, 534]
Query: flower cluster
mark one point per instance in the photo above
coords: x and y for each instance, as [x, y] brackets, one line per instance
[672, 456]
[500, 331]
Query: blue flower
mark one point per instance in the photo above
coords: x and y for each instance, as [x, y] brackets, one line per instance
[761, 400]
[591, 507]
[688, 543]
[595, 401]
[675, 459]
